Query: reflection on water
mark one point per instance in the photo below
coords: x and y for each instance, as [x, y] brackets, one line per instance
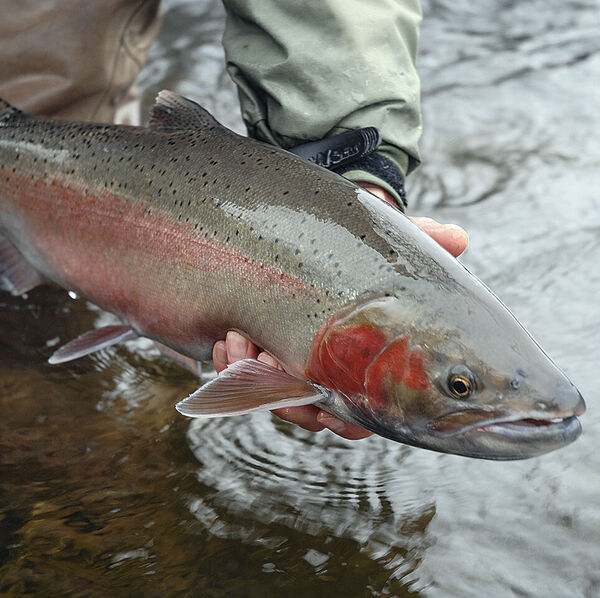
[106, 491]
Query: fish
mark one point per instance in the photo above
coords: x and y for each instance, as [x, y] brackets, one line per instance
[185, 230]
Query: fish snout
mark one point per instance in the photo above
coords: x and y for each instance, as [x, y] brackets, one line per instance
[580, 407]
[567, 404]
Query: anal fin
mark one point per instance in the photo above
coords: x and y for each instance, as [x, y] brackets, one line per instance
[17, 276]
[248, 386]
[92, 341]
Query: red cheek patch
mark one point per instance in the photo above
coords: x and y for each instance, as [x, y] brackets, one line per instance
[355, 360]
[415, 376]
[346, 354]
[396, 364]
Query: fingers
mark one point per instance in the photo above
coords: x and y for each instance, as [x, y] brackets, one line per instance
[342, 428]
[451, 237]
[269, 360]
[305, 417]
[236, 347]
[239, 347]
[379, 192]
[314, 419]
[232, 349]
[219, 356]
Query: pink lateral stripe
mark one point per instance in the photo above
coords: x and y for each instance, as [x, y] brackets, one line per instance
[92, 251]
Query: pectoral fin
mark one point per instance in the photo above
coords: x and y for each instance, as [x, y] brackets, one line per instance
[91, 341]
[248, 386]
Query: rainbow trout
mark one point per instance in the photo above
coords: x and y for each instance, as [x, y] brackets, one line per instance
[186, 230]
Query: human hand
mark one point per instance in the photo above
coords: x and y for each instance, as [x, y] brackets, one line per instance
[235, 347]
[451, 237]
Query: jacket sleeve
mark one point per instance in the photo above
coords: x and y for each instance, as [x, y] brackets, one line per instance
[307, 70]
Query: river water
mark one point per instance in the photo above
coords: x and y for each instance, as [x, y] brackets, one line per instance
[106, 491]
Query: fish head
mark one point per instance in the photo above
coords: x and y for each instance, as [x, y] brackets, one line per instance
[466, 380]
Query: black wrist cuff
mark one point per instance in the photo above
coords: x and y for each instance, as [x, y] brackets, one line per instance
[380, 166]
[354, 150]
[338, 150]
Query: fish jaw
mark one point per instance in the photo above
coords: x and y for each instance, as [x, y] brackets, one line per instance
[493, 437]
[481, 433]
[505, 436]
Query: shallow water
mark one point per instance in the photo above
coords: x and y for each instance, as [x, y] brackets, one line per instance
[106, 491]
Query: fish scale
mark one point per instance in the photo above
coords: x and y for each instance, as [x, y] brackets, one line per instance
[186, 230]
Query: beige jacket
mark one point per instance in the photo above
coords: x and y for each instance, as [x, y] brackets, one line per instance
[304, 70]
[73, 59]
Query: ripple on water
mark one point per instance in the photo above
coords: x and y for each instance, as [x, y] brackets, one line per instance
[264, 472]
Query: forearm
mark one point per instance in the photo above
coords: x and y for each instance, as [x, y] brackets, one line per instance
[306, 70]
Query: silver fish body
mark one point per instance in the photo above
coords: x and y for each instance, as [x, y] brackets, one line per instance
[186, 230]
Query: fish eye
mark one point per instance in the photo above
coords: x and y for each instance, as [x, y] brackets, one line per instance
[461, 382]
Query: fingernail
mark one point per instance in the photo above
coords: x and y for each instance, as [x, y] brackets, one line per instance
[237, 346]
[334, 424]
[457, 228]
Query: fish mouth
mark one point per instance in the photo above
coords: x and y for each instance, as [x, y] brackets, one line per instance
[566, 429]
[514, 426]
[503, 437]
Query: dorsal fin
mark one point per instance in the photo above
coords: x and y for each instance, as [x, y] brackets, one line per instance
[173, 111]
[8, 113]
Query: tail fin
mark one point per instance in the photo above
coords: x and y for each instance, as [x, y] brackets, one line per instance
[8, 113]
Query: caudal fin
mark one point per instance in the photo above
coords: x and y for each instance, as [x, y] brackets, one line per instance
[8, 113]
